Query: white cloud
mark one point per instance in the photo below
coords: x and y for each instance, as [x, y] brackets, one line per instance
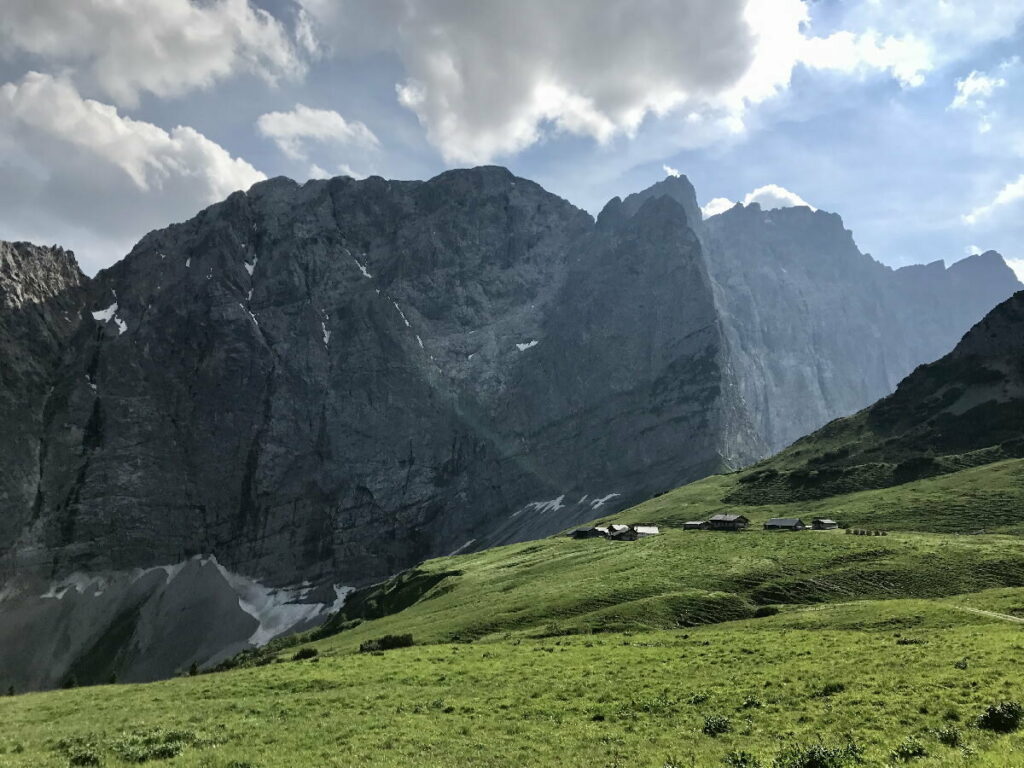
[716, 205]
[769, 197]
[975, 89]
[164, 47]
[488, 80]
[1017, 265]
[773, 196]
[1010, 193]
[970, 250]
[293, 131]
[670, 171]
[83, 170]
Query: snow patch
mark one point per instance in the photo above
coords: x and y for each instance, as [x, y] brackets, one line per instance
[362, 269]
[404, 319]
[81, 583]
[463, 548]
[250, 268]
[527, 345]
[541, 507]
[599, 502]
[188, 262]
[104, 315]
[419, 340]
[250, 314]
[327, 334]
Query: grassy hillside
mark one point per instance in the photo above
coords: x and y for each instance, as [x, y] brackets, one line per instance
[901, 676]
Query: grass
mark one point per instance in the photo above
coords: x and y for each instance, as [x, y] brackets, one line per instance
[833, 673]
[596, 653]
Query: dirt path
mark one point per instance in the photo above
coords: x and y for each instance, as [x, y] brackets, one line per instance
[992, 614]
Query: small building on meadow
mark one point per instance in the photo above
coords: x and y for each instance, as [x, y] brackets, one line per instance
[633, 532]
[590, 533]
[785, 524]
[823, 524]
[695, 525]
[728, 523]
[617, 530]
[643, 531]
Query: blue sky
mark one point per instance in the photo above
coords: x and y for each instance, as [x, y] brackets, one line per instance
[904, 117]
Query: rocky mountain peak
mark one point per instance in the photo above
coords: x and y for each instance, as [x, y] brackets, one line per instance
[677, 188]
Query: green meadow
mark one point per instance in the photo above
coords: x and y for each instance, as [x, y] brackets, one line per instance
[779, 650]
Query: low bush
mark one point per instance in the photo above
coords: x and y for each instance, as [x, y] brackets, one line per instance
[829, 689]
[818, 756]
[950, 736]
[908, 749]
[740, 759]
[765, 611]
[305, 652]
[386, 643]
[1003, 717]
[715, 725]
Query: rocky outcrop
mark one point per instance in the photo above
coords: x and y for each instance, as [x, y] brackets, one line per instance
[818, 329]
[323, 384]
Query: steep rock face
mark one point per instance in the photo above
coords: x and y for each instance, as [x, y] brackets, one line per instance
[337, 380]
[41, 297]
[820, 330]
[320, 385]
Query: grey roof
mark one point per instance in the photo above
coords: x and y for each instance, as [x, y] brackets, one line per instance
[825, 520]
[694, 522]
[727, 518]
[785, 522]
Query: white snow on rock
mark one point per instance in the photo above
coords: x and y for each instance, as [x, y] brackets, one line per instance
[599, 502]
[104, 315]
[249, 312]
[527, 345]
[327, 334]
[463, 548]
[419, 340]
[188, 262]
[110, 313]
[540, 507]
[362, 268]
[250, 268]
[404, 320]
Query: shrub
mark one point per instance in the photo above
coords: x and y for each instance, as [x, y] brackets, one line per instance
[740, 759]
[950, 736]
[80, 750]
[698, 698]
[193, 669]
[143, 745]
[961, 664]
[750, 702]
[306, 652]
[764, 611]
[386, 643]
[1002, 717]
[715, 725]
[908, 749]
[818, 756]
[829, 689]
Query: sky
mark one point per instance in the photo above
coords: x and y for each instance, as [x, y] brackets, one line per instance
[906, 117]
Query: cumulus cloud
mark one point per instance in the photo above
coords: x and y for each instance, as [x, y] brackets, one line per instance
[1017, 265]
[1010, 193]
[975, 90]
[773, 196]
[294, 131]
[670, 171]
[488, 80]
[769, 197]
[84, 171]
[164, 47]
[716, 205]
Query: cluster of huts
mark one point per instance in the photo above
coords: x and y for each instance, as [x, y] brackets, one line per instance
[741, 523]
[714, 523]
[616, 532]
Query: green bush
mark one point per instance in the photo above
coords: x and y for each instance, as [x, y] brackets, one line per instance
[740, 759]
[829, 689]
[1003, 717]
[386, 643]
[765, 611]
[715, 725]
[143, 745]
[306, 652]
[818, 756]
[950, 736]
[908, 749]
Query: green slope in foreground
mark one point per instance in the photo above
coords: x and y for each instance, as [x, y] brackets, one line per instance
[596, 653]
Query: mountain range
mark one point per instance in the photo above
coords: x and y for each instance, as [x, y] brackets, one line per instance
[306, 389]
